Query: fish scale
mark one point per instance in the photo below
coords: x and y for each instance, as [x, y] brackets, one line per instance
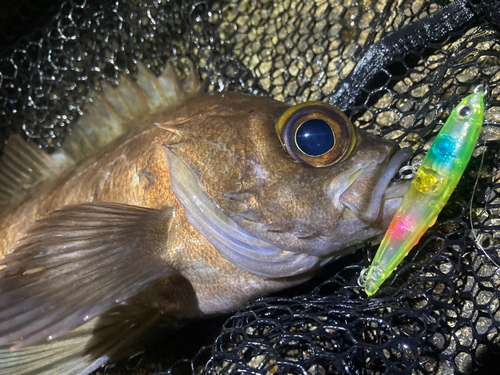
[139, 208]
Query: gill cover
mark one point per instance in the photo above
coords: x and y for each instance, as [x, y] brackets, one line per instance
[316, 134]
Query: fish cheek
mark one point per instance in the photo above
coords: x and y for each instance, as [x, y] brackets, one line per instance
[225, 175]
[226, 178]
[215, 168]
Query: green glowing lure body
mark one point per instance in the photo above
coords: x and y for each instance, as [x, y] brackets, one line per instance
[431, 188]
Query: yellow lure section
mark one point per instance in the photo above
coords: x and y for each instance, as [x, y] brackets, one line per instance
[430, 189]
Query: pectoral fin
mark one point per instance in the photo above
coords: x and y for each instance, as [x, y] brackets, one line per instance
[84, 349]
[77, 263]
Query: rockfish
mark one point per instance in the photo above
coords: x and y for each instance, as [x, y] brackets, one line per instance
[171, 203]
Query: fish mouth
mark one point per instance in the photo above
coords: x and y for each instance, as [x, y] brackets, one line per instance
[387, 186]
[385, 189]
[382, 191]
[393, 166]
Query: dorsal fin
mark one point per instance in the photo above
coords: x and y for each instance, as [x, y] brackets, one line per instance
[118, 109]
[22, 166]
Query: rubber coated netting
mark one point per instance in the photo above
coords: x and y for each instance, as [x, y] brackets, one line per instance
[396, 71]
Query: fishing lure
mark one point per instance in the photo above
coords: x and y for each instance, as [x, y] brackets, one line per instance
[431, 187]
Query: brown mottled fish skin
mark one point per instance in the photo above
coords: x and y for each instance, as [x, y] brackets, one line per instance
[240, 164]
[133, 170]
[274, 221]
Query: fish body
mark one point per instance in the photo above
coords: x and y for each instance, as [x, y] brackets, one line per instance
[437, 177]
[133, 170]
[193, 210]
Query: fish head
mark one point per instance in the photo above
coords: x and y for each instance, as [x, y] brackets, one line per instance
[252, 183]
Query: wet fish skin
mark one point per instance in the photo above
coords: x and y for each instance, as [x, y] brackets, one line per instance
[226, 141]
[133, 170]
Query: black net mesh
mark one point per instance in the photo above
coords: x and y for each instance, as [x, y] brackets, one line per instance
[439, 313]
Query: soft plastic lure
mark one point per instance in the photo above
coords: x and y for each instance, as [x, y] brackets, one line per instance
[431, 187]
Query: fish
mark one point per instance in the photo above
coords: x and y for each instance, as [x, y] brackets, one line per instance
[169, 203]
[437, 177]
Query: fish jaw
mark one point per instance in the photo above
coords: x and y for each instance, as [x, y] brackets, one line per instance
[365, 200]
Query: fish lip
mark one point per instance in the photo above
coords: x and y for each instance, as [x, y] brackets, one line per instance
[365, 196]
[390, 182]
[397, 187]
[399, 157]
[396, 161]
[393, 165]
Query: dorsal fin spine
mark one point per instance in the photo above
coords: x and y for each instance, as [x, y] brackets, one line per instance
[117, 109]
[21, 168]
[112, 113]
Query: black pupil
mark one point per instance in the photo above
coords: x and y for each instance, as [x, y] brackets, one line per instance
[314, 137]
[464, 111]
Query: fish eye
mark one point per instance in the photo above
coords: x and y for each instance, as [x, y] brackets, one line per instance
[316, 133]
[464, 110]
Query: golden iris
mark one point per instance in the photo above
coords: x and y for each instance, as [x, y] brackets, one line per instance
[316, 134]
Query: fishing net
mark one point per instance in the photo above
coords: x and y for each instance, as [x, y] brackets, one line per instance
[397, 68]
